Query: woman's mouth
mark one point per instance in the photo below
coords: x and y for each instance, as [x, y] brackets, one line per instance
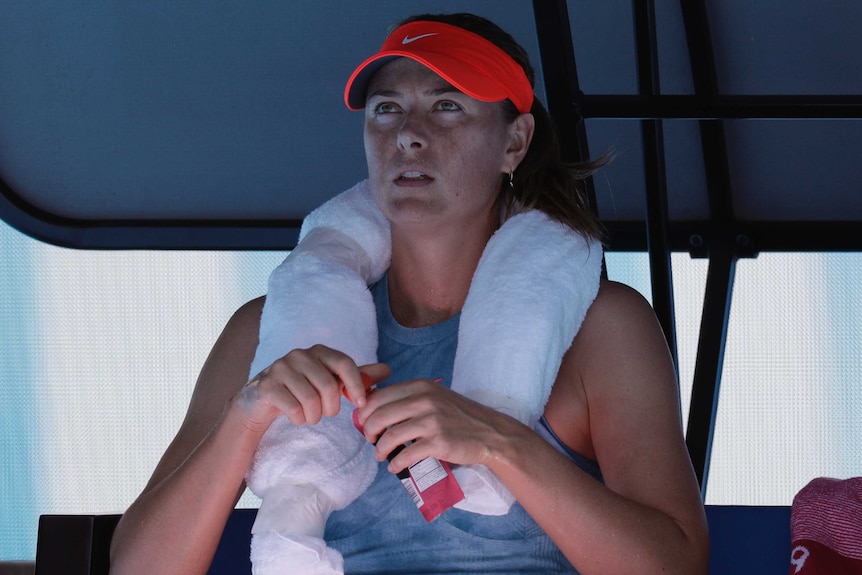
[412, 177]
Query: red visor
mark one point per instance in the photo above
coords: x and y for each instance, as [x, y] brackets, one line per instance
[466, 60]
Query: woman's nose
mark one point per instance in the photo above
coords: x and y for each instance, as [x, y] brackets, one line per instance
[411, 134]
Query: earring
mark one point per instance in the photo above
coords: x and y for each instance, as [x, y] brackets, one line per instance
[512, 180]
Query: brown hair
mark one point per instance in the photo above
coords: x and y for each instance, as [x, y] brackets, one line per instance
[542, 181]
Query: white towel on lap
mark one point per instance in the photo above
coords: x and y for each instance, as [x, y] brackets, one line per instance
[528, 297]
[318, 295]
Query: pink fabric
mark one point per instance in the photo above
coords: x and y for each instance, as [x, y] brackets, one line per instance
[826, 528]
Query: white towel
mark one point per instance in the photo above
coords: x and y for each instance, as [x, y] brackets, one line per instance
[318, 295]
[352, 216]
[527, 299]
[529, 295]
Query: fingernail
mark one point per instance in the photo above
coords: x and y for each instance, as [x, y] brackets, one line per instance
[366, 381]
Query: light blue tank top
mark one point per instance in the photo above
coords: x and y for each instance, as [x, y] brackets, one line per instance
[383, 532]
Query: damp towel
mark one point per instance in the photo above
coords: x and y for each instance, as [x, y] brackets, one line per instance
[527, 299]
[318, 295]
[826, 528]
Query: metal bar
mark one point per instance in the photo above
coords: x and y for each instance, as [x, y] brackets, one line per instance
[624, 236]
[560, 73]
[119, 234]
[710, 358]
[752, 237]
[717, 107]
[652, 137]
[710, 353]
[699, 41]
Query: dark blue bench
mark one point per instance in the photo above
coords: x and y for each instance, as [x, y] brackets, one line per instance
[748, 540]
[744, 540]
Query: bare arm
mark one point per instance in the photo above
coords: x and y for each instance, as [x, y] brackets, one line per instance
[615, 400]
[648, 517]
[175, 524]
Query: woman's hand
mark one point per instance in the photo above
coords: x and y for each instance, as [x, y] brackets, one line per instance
[305, 385]
[438, 421]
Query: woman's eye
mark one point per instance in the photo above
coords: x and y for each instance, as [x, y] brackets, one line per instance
[448, 106]
[385, 108]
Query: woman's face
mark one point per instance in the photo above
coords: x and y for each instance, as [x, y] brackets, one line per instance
[435, 155]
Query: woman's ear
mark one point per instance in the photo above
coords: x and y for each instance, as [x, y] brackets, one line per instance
[520, 135]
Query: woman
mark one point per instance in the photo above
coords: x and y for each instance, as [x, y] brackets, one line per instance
[443, 166]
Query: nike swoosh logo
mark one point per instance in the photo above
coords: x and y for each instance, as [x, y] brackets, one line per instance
[408, 39]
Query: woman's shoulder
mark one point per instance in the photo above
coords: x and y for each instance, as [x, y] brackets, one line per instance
[616, 298]
[250, 311]
[620, 341]
[618, 314]
[618, 335]
[244, 324]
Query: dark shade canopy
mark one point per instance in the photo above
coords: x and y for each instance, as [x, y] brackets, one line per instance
[221, 125]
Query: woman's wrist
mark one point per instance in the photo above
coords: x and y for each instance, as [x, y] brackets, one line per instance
[510, 445]
[244, 421]
[250, 411]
